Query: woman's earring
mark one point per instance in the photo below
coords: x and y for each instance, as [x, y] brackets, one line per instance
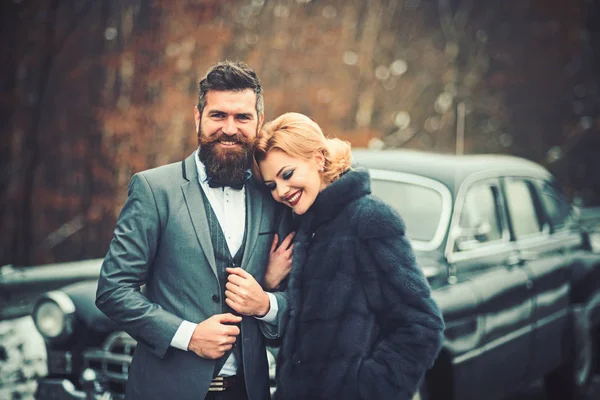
[322, 168]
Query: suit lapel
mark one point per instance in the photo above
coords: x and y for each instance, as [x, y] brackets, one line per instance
[254, 210]
[195, 204]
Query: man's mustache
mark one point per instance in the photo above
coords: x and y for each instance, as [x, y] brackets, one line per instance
[235, 138]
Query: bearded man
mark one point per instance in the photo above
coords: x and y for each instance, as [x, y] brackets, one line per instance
[199, 235]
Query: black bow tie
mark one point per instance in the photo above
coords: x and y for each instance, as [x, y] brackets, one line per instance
[216, 183]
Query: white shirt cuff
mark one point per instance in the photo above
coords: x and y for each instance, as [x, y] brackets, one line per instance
[182, 337]
[271, 316]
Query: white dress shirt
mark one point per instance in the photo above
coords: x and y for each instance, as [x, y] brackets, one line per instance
[229, 205]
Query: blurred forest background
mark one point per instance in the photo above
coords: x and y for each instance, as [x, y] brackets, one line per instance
[92, 91]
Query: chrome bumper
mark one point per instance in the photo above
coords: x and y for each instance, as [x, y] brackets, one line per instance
[63, 389]
[58, 389]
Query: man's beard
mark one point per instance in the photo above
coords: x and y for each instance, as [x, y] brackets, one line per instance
[227, 165]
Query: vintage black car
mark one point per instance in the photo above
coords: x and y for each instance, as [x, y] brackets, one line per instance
[511, 269]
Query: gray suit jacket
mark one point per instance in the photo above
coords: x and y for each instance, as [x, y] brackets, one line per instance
[162, 240]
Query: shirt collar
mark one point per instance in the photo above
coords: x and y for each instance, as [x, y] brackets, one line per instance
[200, 168]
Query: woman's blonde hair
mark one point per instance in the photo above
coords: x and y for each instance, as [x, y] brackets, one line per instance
[299, 136]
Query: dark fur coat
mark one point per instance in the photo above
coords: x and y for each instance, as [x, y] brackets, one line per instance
[362, 324]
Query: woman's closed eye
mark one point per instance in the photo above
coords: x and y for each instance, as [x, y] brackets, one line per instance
[284, 175]
[287, 174]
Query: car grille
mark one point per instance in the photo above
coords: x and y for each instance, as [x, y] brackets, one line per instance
[111, 362]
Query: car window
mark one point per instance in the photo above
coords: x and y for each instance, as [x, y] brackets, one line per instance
[524, 216]
[556, 205]
[419, 206]
[480, 220]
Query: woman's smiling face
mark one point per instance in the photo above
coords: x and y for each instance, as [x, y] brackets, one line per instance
[293, 181]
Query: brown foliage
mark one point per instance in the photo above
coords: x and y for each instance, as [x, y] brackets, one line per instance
[96, 91]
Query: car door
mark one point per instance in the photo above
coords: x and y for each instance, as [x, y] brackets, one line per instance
[479, 251]
[541, 246]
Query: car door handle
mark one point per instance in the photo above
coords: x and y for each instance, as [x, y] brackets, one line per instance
[514, 259]
[529, 284]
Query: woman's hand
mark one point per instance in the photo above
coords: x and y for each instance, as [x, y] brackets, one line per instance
[280, 261]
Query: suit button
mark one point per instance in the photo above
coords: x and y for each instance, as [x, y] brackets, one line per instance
[215, 298]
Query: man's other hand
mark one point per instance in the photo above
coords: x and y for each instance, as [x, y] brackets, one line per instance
[245, 295]
[212, 337]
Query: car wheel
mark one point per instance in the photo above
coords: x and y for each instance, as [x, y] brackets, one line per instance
[573, 381]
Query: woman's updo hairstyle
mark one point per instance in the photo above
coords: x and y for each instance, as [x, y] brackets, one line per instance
[299, 136]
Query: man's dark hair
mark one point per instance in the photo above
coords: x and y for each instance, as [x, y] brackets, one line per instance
[230, 76]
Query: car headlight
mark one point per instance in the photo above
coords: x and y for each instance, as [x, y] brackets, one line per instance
[53, 316]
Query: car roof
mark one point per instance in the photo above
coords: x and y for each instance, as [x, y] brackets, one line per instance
[449, 169]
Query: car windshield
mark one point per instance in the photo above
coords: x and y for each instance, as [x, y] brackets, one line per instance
[419, 206]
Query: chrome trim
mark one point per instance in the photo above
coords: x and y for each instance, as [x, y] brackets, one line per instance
[485, 248]
[112, 360]
[64, 389]
[464, 342]
[527, 329]
[460, 201]
[567, 238]
[481, 251]
[593, 302]
[535, 238]
[119, 338]
[107, 361]
[61, 299]
[540, 323]
[430, 271]
[492, 345]
[429, 183]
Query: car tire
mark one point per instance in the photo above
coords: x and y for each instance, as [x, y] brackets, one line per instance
[574, 380]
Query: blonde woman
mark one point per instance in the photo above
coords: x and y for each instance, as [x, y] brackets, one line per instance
[361, 321]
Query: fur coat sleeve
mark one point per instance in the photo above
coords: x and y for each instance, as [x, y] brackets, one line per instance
[399, 294]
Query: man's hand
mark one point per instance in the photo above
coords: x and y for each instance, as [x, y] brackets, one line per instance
[244, 294]
[280, 261]
[212, 337]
